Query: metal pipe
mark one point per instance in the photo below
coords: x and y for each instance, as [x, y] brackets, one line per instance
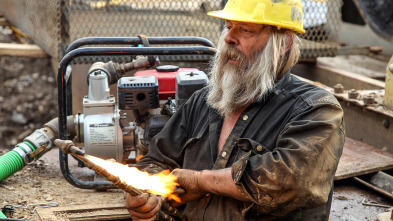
[67, 146]
[136, 40]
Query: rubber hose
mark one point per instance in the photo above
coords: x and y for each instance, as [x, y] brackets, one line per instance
[12, 219]
[2, 215]
[12, 161]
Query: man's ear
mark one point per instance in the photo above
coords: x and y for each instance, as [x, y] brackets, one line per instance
[288, 41]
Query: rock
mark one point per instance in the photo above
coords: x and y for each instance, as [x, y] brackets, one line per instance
[9, 188]
[18, 118]
[51, 79]
[13, 141]
[37, 183]
[35, 75]
[39, 95]
[48, 197]
[22, 202]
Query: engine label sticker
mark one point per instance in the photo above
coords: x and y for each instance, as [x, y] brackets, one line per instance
[102, 133]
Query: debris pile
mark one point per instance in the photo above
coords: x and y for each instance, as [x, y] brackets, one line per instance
[28, 96]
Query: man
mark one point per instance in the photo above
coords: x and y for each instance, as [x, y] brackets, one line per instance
[257, 143]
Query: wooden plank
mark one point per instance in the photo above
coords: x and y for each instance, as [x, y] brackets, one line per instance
[84, 212]
[359, 158]
[109, 215]
[22, 50]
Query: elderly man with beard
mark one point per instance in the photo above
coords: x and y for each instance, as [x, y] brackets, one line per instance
[257, 143]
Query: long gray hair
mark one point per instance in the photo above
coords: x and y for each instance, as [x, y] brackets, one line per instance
[232, 86]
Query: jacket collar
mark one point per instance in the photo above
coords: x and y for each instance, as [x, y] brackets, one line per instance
[280, 85]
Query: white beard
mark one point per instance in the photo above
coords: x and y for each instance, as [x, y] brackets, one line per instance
[233, 86]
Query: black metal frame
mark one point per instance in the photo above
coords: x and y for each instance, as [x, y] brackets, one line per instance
[74, 51]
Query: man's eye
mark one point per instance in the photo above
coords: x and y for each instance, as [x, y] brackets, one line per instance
[244, 30]
[228, 27]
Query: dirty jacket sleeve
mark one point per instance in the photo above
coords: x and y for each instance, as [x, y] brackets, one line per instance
[299, 171]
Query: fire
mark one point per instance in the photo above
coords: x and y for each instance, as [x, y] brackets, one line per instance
[163, 183]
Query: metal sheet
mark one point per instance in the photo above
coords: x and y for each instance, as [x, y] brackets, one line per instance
[359, 158]
[331, 76]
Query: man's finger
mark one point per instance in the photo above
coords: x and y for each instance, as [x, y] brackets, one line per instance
[174, 203]
[151, 204]
[179, 191]
[136, 201]
[149, 210]
[141, 216]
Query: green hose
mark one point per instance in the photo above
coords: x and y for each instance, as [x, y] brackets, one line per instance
[2, 215]
[13, 161]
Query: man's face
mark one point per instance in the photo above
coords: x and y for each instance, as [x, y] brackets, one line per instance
[248, 38]
[242, 70]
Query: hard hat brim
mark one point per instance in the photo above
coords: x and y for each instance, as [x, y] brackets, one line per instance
[227, 16]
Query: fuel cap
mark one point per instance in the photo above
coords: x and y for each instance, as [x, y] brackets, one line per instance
[167, 68]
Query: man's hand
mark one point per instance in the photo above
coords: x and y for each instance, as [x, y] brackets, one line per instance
[143, 207]
[189, 186]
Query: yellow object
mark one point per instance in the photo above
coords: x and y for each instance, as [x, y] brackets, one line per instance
[280, 13]
[388, 98]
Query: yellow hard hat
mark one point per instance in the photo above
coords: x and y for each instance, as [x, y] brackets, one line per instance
[280, 13]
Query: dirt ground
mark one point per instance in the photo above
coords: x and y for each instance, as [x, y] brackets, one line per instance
[42, 182]
[28, 99]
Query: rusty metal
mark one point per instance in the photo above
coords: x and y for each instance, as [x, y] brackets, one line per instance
[338, 88]
[359, 158]
[35, 206]
[366, 123]
[359, 50]
[374, 204]
[368, 99]
[367, 119]
[380, 182]
[69, 147]
[353, 94]
[373, 187]
[331, 76]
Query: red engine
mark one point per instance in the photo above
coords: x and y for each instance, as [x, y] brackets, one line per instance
[166, 76]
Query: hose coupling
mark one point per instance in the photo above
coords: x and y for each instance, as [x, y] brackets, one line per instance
[36, 145]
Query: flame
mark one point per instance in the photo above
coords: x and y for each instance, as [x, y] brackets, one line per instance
[163, 183]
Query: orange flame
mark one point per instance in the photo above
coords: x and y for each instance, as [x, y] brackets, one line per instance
[163, 183]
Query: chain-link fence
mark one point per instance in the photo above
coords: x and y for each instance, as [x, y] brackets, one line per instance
[54, 24]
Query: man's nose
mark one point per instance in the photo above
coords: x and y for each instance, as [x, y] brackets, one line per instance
[231, 38]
